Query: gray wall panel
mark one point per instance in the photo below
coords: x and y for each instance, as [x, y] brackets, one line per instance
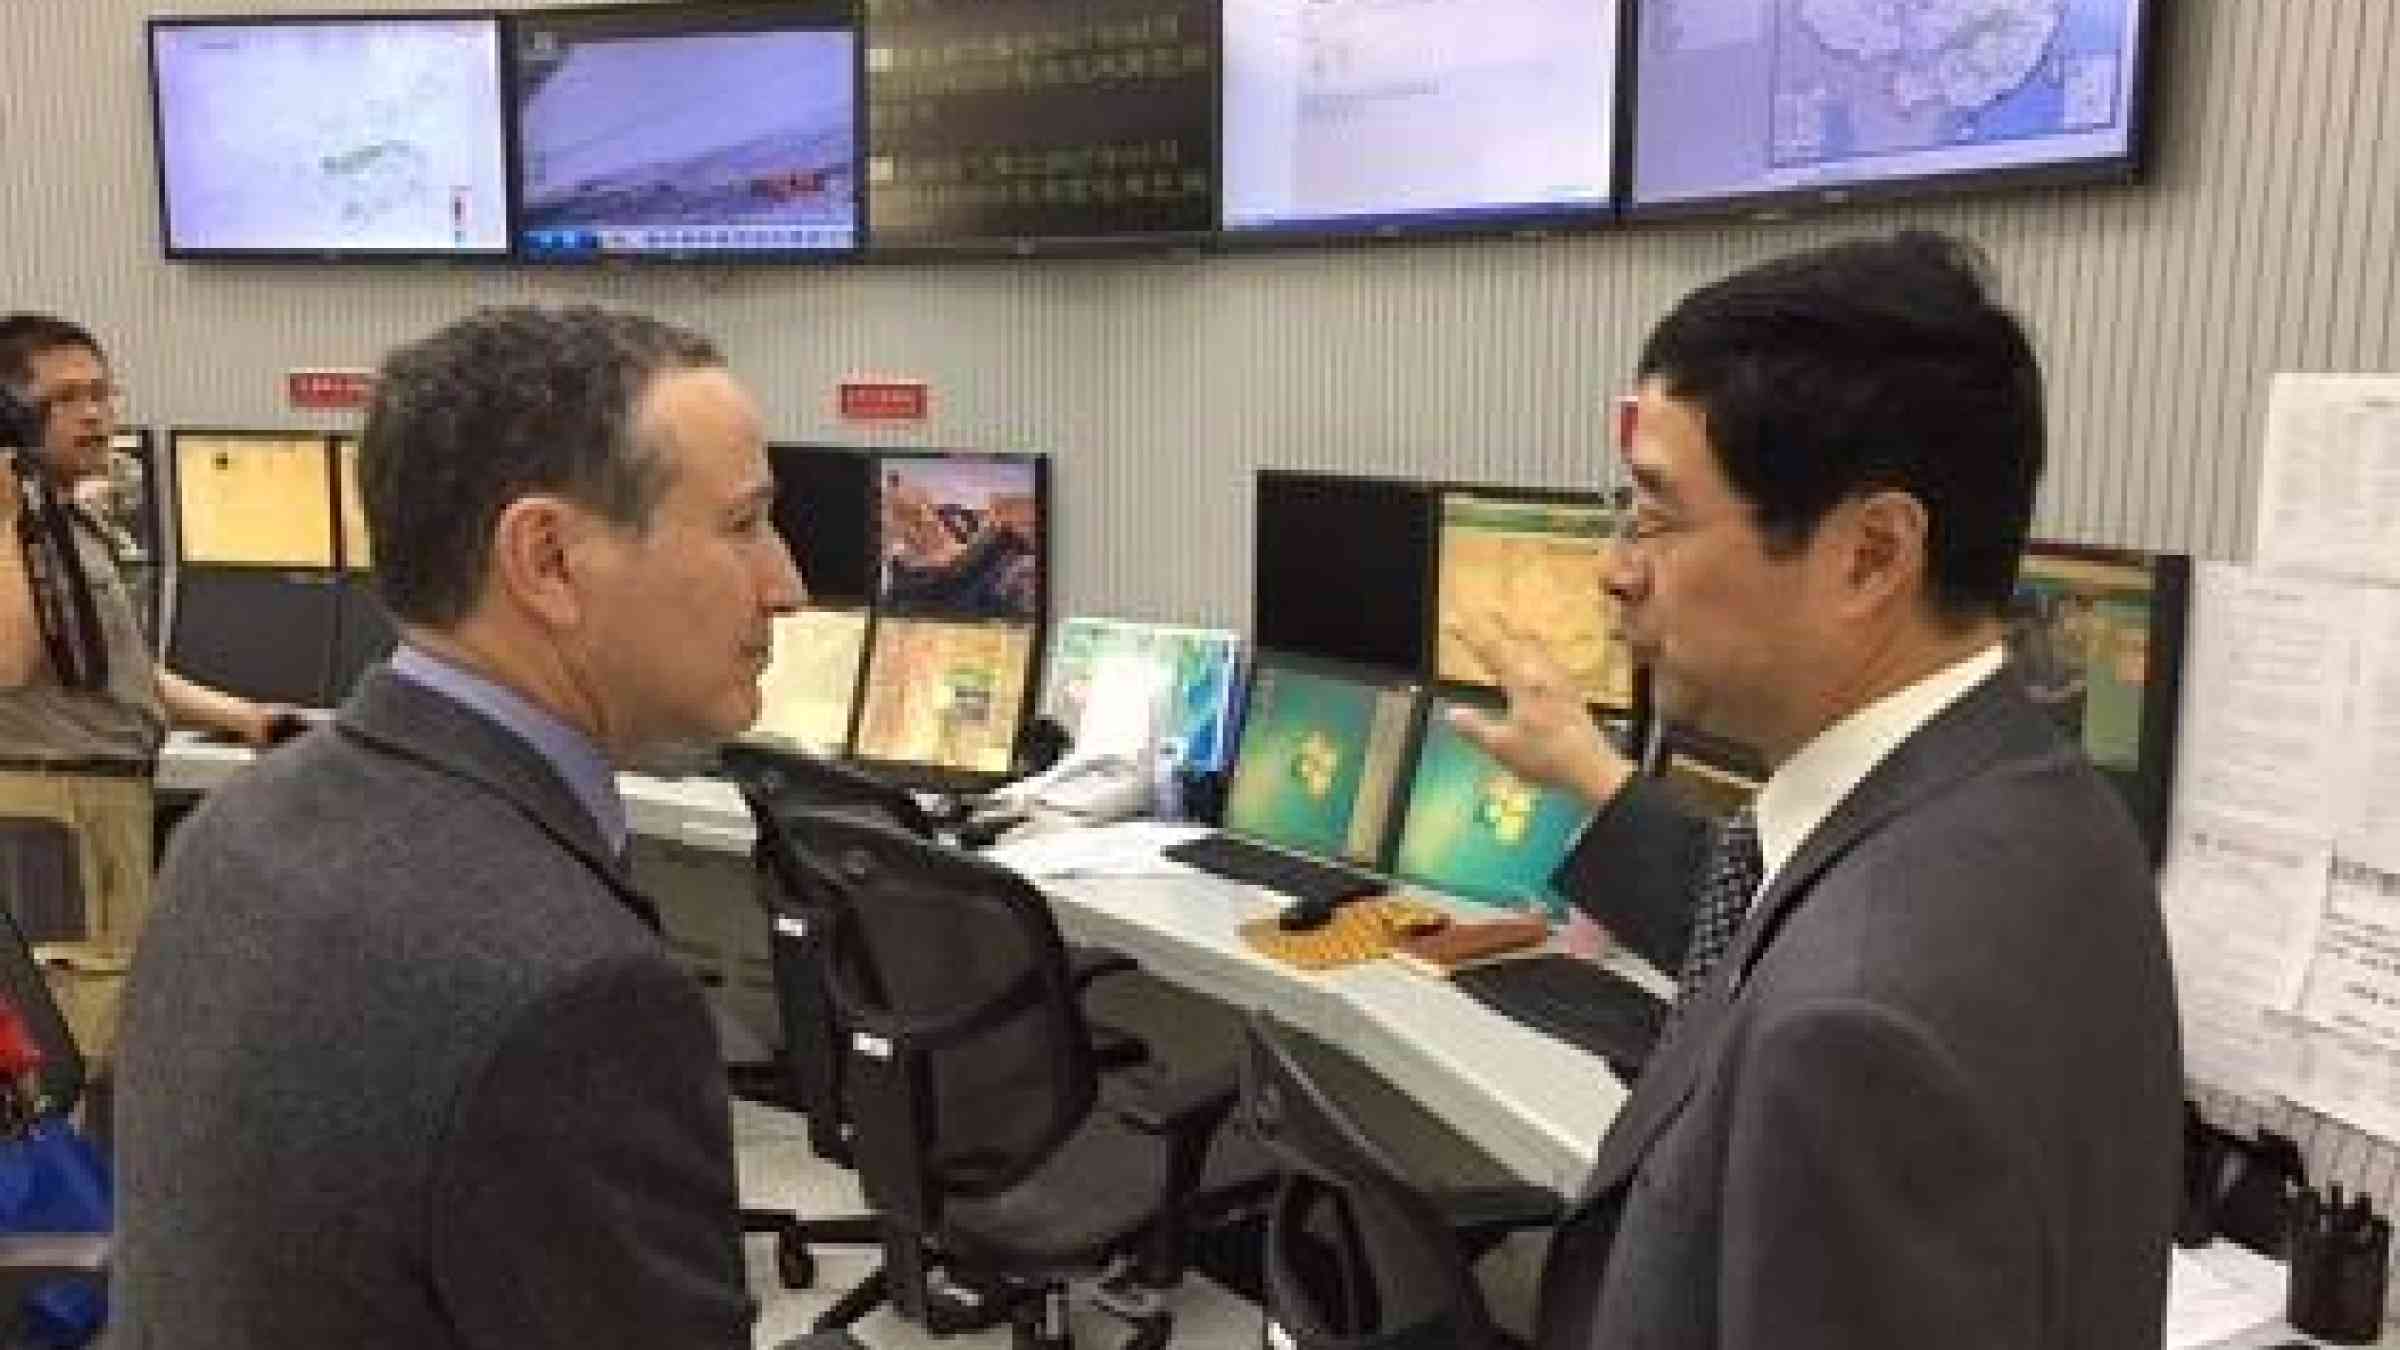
[2264, 238]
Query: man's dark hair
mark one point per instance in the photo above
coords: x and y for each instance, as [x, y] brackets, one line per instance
[505, 403]
[1862, 367]
[25, 336]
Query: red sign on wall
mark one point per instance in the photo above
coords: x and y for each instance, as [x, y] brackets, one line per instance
[884, 400]
[342, 389]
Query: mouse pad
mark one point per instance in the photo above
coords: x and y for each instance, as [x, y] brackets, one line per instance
[1361, 930]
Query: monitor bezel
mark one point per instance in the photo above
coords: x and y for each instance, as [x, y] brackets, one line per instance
[1521, 221]
[1261, 661]
[505, 129]
[1430, 660]
[667, 20]
[2124, 168]
[2162, 698]
[333, 488]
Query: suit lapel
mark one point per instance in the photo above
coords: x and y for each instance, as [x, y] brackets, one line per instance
[396, 716]
[1990, 725]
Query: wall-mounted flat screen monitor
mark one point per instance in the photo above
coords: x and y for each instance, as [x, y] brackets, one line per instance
[717, 131]
[2097, 636]
[309, 137]
[810, 689]
[1321, 755]
[1737, 100]
[253, 498]
[945, 698]
[1016, 125]
[1536, 566]
[963, 536]
[1398, 116]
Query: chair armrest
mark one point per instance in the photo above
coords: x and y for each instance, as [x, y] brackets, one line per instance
[1481, 1216]
[1113, 1047]
[1086, 964]
[1174, 1106]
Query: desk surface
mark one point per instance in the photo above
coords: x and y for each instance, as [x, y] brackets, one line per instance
[1536, 1104]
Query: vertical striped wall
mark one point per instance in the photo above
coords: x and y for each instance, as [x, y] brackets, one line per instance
[2263, 239]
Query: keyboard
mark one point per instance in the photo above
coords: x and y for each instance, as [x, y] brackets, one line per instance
[1237, 859]
[1574, 1000]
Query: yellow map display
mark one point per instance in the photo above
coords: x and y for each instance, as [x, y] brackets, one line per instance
[357, 554]
[258, 498]
[812, 679]
[946, 695]
[1539, 568]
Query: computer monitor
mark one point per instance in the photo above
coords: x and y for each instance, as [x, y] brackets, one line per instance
[963, 536]
[253, 498]
[809, 693]
[825, 510]
[1113, 682]
[364, 636]
[1535, 564]
[944, 700]
[1025, 125]
[1471, 828]
[1428, 116]
[1748, 99]
[258, 632]
[2097, 636]
[719, 131]
[1321, 753]
[357, 553]
[1343, 568]
[330, 137]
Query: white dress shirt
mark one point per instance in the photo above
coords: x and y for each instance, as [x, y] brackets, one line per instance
[1802, 793]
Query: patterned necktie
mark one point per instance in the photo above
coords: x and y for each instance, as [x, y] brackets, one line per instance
[1727, 885]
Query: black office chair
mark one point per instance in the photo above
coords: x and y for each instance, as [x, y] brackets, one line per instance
[1358, 1257]
[806, 1075]
[983, 1139]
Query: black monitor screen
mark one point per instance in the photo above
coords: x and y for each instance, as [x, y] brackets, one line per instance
[1343, 567]
[2097, 636]
[330, 136]
[706, 130]
[260, 633]
[825, 510]
[364, 636]
[1749, 98]
[963, 536]
[1386, 115]
[1006, 121]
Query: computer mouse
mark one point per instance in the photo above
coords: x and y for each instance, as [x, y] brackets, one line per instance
[1307, 915]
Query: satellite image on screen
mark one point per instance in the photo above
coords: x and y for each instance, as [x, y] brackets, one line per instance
[324, 136]
[1539, 568]
[1474, 829]
[811, 680]
[2079, 635]
[962, 537]
[1188, 671]
[257, 499]
[688, 142]
[1317, 763]
[946, 695]
[1742, 96]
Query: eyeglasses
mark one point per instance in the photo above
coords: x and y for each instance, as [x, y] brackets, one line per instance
[98, 394]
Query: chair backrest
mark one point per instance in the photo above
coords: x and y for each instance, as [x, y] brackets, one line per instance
[774, 784]
[969, 1061]
[1356, 1256]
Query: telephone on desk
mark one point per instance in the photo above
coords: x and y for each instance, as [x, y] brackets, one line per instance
[1096, 788]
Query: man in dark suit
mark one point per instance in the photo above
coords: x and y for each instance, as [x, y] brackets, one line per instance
[1928, 1095]
[404, 1062]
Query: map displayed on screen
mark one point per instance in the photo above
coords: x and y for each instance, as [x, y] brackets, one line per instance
[1475, 830]
[1384, 111]
[1540, 568]
[258, 499]
[1748, 96]
[811, 681]
[639, 133]
[945, 695]
[332, 135]
[1178, 681]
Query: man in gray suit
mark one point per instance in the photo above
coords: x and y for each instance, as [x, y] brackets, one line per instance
[1929, 1095]
[404, 1062]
